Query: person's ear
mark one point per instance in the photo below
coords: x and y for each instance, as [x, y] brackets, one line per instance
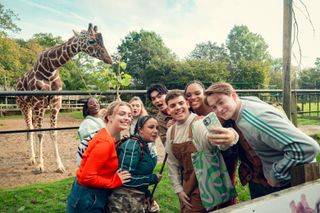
[187, 102]
[234, 95]
[109, 118]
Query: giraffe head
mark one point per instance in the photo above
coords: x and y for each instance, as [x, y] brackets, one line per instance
[91, 42]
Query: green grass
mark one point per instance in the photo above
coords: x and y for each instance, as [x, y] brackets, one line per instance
[51, 197]
[308, 120]
[313, 106]
[75, 114]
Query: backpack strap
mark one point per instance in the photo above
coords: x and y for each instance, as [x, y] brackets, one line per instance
[190, 127]
[173, 129]
[140, 145]
[173, 132]
[135, 138]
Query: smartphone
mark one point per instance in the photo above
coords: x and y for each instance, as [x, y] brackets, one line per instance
[211, 120]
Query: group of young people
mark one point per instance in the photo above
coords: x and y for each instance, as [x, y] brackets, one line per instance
[115, 177]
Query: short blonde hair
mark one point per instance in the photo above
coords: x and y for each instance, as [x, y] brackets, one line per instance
[113, 107]
[220, 88]
[143, 109]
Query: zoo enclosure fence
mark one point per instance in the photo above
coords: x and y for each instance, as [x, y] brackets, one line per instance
[304, 102]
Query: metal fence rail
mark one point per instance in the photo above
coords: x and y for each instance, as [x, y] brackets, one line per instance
[307, 101]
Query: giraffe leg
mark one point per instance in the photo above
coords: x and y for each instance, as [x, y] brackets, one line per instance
[60, 168]
[27, 112]
[30, 137]
[56, 105]
[39, 115]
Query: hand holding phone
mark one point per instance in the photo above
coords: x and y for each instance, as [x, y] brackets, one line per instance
[211, 120]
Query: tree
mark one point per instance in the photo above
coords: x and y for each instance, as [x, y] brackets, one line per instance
[138, 49]
[310, 78]
[275, 74]
[210, 51]
[176, 74]
[7, 18]
[252, 75]
[163, 71]
[47, 40]
[247, 48]
[10, 62]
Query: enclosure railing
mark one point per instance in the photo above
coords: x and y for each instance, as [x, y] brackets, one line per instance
[306, 101]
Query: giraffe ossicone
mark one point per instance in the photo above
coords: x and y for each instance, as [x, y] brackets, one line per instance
[44, 76]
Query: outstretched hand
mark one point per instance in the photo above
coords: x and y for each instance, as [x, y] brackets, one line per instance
[222, 136]
[124, 176]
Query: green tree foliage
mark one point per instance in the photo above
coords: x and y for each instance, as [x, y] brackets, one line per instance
[138, 50]
[310, 78]
[12, 62]
[210, 51]
[163, 71]
[108, 78]
[176, 74]
[247, 48]
[47, 40]
[252, 75]
[77, 73]
[7, 18]
[275, 74]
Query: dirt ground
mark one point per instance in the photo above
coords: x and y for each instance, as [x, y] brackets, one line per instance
[14, 156]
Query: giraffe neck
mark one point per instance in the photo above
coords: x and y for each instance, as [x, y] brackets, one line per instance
[54, 58]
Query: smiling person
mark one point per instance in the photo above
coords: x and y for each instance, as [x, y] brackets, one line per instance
[136, 158]
[180, 146]
[156, 93]
[98, 173]
[91, 124]
[277, 142]
[194, 94]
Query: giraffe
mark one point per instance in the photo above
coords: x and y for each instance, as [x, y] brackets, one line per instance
[44, 76]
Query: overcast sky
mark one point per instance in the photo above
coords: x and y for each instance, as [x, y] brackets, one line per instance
[180, 23]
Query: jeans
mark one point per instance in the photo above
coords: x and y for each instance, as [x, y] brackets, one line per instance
[86, 199]
[259, 190]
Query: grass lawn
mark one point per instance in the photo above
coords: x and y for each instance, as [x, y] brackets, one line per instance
[51, 197]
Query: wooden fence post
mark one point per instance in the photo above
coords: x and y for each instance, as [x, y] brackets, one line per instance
[304, 173]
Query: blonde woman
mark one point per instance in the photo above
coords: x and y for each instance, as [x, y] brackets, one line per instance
[138, 110]
[98, 173]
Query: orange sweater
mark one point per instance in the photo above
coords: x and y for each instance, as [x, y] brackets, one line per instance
[99, 163]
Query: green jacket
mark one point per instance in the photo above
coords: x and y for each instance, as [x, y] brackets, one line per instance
[129, 155]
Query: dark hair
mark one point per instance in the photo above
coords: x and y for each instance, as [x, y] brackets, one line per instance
[173, 94]
[85, 108]
[160, 88]
[194, 82]
[140, 123]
